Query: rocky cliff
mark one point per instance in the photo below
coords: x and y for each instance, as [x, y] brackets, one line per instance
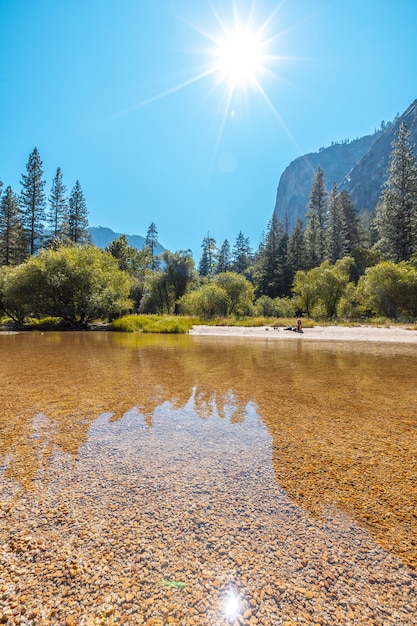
[359, 166]
[365, 180]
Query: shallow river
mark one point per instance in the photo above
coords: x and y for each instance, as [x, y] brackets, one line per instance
[194, 480]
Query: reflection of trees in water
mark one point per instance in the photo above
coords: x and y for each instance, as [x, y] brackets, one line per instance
[341, 423]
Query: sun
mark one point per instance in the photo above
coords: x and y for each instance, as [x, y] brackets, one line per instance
[240, 52]
[238, 58]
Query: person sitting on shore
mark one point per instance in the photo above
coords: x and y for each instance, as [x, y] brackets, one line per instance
[295, 329]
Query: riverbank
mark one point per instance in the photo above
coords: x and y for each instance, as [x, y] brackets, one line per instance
[384, 334]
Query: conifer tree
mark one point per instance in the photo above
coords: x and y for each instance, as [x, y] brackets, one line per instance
[13, 242]
[396, 215]
[32, 200]
[224, 263]
[58, 207]
[271, 272]
[315, 234]
[351, 220]
[151, 242]
[77, 216]
[241, 254]
[209, 256]
[336, 234]
[296, 249]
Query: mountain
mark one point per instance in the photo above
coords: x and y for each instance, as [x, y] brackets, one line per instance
[101, 237]
[365, 180]
[358, 166]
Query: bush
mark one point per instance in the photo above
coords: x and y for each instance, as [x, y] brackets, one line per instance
[78, 284]
[208, 302]
[389, 290]
[275, 307]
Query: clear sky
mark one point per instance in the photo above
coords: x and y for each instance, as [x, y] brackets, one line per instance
[186, 112]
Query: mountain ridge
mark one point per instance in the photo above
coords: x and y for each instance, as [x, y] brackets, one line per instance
[359, 167]
[101, 236]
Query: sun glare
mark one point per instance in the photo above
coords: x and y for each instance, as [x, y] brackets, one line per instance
[239, 58]
[240, 52]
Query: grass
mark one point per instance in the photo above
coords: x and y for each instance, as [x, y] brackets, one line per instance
[152, 324]
[182, 324]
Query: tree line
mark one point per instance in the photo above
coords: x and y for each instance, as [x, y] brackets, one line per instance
[336, 262]
[30, 220]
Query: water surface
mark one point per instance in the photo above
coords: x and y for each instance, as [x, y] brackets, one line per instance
[192, 480]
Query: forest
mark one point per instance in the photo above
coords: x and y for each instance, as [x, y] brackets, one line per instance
[338, 263]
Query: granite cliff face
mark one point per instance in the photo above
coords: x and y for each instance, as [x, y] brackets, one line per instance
[359, 167]
[365, 180]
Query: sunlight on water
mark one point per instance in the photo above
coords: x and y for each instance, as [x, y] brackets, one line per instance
[191, 481]
[232, 606]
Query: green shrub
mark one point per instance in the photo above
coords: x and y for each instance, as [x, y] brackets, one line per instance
[45, 323]
[275, 307]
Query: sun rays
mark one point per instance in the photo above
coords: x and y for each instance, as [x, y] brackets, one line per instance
[236, 54]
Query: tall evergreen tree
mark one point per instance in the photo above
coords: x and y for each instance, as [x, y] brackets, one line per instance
[58, 207]
[336, 234]
[315, 234]
[241, 254]
[209, 256]
[271, 273]
[32, 200]
[151, 242]
[77, 216]
[351, 219]
[396, 215]
[296, 249]
[13, 242]
[224, 263]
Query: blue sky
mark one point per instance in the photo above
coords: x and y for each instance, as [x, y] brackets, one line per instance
[134, 98]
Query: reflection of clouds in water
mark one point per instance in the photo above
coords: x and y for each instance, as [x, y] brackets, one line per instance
[227, 162]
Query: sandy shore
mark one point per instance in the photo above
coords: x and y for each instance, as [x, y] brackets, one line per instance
[390, 334]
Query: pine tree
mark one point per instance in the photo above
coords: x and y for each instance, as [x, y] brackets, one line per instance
[315, 234]
[151, 242]
[241, 254]
[296, 249]
[224, 263]
[336, 233]
[32, 200]
[58, 207]
[209, 256]
[351, 219]
[271, 272]
[396, 215]
[77, 217]
[13, 241]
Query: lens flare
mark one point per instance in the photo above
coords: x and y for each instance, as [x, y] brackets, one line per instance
[232, 607]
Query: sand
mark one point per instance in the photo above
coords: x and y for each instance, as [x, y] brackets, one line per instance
[383, 334]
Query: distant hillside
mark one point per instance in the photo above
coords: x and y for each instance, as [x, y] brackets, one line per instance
[359, 166]
[101, 237]
[295, 183]
[365, 180]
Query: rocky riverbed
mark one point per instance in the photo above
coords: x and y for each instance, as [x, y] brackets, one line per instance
[184, 524]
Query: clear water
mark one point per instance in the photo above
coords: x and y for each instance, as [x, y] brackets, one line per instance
[194, 480]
